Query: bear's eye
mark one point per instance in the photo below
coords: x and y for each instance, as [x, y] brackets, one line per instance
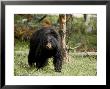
[50, 40]
[45, 41]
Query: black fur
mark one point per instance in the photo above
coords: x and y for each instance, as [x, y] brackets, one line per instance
[39, 52]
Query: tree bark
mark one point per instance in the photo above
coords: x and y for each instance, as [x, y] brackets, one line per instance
[62, 32]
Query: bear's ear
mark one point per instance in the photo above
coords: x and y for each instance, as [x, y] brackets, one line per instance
[55, 34]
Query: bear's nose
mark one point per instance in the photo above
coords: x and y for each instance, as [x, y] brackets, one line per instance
[49, 45]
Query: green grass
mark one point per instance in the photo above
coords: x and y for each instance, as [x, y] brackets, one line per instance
[21, 45]
[77, 66]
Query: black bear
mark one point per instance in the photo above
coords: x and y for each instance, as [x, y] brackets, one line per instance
[44, 44]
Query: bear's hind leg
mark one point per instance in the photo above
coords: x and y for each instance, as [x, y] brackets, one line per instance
[31, 58]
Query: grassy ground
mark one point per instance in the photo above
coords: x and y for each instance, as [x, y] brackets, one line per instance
[78, 66]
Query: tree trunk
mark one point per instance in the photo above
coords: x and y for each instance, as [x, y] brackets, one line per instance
[62, 32]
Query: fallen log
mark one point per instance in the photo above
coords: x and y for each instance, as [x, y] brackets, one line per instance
[74, 53]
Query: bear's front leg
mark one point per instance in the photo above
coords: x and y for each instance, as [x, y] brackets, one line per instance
[41, 61]
[57, 62]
